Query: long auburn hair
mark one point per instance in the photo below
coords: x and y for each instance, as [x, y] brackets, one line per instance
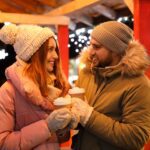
[36, 70]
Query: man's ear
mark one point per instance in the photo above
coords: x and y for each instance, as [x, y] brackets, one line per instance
[117, 56]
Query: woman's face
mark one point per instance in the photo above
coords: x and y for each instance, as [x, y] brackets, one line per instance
[51, 55]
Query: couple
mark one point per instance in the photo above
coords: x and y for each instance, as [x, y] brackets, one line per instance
[117, 114]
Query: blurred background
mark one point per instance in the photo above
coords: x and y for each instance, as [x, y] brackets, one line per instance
[83, 16]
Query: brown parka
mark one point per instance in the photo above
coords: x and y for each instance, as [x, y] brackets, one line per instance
[120, 96]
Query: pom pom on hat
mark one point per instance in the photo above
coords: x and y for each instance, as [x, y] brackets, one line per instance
[8, 34]
[113, 35]
[26, 39]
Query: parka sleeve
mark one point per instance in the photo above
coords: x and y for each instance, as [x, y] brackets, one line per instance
[28, 137]
[133, 131]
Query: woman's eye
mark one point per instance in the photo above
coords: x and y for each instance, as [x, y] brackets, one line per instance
[51, 49]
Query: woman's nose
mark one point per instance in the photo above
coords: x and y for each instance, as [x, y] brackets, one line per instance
[55, 55]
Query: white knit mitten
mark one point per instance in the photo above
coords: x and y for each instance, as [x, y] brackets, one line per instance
[83, 109]
[58, 119]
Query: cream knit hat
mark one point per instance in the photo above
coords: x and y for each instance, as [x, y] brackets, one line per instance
[113, 35]
[26, 39]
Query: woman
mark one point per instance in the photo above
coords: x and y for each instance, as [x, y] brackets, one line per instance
[33, 81]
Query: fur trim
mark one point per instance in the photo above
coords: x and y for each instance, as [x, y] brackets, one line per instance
[134, 62]
[85, 59]
[136, 59]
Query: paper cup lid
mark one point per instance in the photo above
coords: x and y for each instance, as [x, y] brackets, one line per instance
[76, 90]
[62, 101]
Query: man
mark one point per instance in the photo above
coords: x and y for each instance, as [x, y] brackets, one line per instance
[117, 116]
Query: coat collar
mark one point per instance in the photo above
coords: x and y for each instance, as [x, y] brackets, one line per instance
[106, 72]
[134, 62]
[25, 86]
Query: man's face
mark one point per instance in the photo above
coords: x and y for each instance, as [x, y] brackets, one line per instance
[99, 55]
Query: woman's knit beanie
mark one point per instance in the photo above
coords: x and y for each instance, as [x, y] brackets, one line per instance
[113, 35]
[26, 39]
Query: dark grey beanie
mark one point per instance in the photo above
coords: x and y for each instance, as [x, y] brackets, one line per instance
[113, 35]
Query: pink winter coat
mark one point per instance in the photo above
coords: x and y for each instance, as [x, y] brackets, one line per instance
[22, 114]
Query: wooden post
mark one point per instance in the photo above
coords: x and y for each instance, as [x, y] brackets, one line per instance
[142, 30]
[142, 24]
[63, 39]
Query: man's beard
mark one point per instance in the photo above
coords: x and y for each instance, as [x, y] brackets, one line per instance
[103, 63]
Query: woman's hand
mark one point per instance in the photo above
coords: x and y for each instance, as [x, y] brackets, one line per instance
[58, 119]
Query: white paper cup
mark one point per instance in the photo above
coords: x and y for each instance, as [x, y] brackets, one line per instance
[77, 92]
[62, 102]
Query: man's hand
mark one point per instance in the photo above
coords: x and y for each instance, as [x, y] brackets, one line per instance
[82, 109]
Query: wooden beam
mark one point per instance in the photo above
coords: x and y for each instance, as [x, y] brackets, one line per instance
[51, 3]
[130, 5]
[72, 25]
[33, 19]
[71, 7]
[4, 6]
[29, 6]
[105, 11]
[79, 17]
[85, 19]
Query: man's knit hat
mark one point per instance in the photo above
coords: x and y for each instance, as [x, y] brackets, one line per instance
[113, 35]
[26, 39]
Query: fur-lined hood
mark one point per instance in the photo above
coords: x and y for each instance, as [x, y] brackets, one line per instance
[134, 62]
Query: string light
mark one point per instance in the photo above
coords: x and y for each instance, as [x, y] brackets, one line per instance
[80, 45]
[78, 40]
[3, 54]
[7, 23]
[72, 40]
[75, 42]
[71, 35]
[77, 50]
